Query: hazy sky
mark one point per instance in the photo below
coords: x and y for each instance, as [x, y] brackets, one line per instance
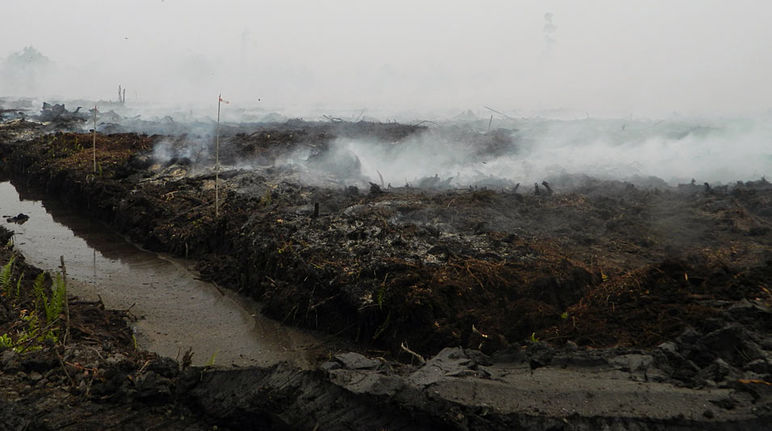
[642, 57]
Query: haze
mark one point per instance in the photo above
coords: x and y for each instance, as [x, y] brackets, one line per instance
[600, 58]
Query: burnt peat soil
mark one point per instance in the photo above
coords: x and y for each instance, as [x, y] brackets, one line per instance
[674, 280]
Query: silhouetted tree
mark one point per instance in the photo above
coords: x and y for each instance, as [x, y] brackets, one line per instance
[22, 70]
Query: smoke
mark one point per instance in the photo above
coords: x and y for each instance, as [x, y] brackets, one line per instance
[417, 61]
[691, 56]
[718, 151]
[549, 30]
[182, 150]
[26, 69]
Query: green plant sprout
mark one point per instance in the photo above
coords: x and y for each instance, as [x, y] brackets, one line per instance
[36, 330]
[210, 363]
[5, 276]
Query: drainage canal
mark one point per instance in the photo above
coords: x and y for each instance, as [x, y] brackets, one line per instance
[175, 310]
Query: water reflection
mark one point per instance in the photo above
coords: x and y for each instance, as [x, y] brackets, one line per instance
[176, 310]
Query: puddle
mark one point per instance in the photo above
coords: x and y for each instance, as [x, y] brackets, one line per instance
[175, 310]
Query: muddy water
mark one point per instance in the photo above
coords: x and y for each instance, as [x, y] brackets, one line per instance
[175, 311]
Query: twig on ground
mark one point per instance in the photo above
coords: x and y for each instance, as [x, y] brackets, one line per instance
[420, 358]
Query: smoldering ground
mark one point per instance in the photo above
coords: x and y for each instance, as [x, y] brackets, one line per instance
[465, 150]
[399, 60]
[462, 154]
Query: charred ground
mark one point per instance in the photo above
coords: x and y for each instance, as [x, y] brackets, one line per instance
[680, 274]
[599, 263]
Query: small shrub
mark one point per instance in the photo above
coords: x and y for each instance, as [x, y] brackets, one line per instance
[5, 341]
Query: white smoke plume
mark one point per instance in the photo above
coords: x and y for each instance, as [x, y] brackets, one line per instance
[639, 57]
[716, 151]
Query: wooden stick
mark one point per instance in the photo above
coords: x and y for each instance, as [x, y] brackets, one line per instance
[217, 162]
[66, 303]
[94, 138]
[500, 113]
[420, 358]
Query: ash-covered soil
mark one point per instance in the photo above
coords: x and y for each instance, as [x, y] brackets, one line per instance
[640, 286]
